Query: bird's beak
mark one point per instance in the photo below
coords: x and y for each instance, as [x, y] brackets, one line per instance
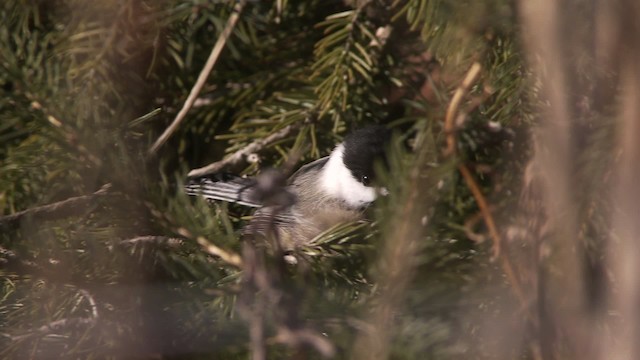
[383, 191]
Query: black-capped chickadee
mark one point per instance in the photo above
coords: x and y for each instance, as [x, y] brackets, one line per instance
[321, 194]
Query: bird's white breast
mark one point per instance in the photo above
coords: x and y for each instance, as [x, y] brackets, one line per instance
[337, 181]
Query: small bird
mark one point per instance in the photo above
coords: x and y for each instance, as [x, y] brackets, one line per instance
[321, 194]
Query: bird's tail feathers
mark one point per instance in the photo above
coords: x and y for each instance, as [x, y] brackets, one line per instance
[225, 187]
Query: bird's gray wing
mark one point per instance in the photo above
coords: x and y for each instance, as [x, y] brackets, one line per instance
[305, 169]
[226, 187]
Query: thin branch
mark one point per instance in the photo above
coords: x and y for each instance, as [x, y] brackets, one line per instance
[484, 210]
[152, 239]
[229, 257]
[70, 135]
[61, 209]
[470, 224]
[452, 110]
[452, 113]
[202, 78]
[449, 130]
[493, 232]
[239, 155]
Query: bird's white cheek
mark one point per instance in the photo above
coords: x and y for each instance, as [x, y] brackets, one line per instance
[359, 195]
[338, 182]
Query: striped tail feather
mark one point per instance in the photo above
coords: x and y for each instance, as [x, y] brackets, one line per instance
[225, 187]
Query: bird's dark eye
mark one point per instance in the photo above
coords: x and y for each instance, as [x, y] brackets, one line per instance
[365, 180]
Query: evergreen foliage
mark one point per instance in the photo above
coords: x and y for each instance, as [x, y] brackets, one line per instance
[132, 267]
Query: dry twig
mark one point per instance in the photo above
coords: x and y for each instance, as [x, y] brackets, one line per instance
[229, 257]
[239, 155]
[202, 78]
[152, 239]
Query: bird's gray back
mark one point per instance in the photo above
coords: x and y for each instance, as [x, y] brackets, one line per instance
[311, 214]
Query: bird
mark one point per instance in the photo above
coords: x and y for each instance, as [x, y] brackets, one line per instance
[319, 195]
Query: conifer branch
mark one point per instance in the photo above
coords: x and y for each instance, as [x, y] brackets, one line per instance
[202, 78]
[343, 58]
[63, 324]
[58, 210]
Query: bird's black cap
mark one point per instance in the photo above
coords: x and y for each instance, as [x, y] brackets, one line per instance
[362, 148]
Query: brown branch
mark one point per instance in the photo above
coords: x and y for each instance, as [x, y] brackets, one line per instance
[227, 256]
[449, 129]
[452, 113]
[202, 78]
[484, 209]
[239, 155]
[58, 210]
[452, 109]
[494, 234]
[469, 224]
